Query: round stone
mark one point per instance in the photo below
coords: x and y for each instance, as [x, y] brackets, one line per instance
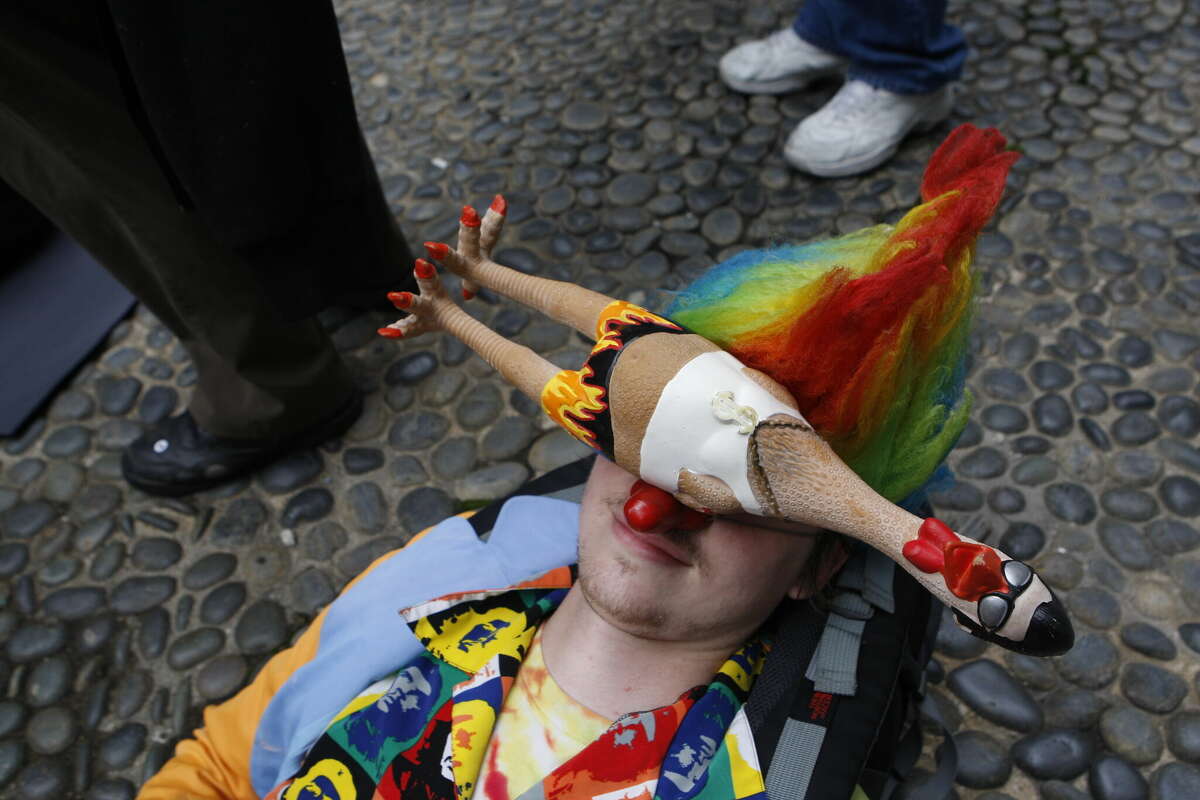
[320, 543]
[1131, 504]
[1181, 495]
[13, 558]
[262, 628]
[418, 430]
[67, 441]
[1050, 376]
[1152, 688]
[355, 560]
[1060, 754]
[74, 603]
[1005, 500]
[48, 682]
[222, 603]
[95, 633]
[1089, 398]
[1180, 416]
[368, 506]
[134, 595]
[423, 507]
[1172, 537]
[1070, 502]
[1135, 428]
[1148, 640]
[193, 647]
[1023, 540]
[555, 449]
[1073, 708]
[1131, 734]
[1095, 607]
[360, 460]
[24, 520]
[209, 571]
[958, 496]
[35, 640]
[1183, 736]
[156, 554]
[1133, 400]
[1006, 385]
[722, 226]
[1175, 781]
[1034, 471]
[110, 789]
[584, 116]
[130, 692]
[63, 481]
[631, 189]
[1091, 664]
[993, 694]
[221, 677]
[953, 641]
[50, 731]
[312, 590]
[119, 749]
[1004, 418]
[1113, 778]
[983, 762]
[43, 779]
[1052, 415]
[157, 404]
[240, 522]
[1135, 467]
[983, 462]
[1134, 351]
[291, 472]
[507, 438]
[117, 395]
[12, 717]
[308, 505]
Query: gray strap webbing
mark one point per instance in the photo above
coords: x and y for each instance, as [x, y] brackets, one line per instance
[834, 667]
[877, 581]
[794, 761]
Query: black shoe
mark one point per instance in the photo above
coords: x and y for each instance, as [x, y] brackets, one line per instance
[176, 457]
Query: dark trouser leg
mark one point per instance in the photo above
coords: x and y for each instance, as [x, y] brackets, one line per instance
[68, 146]
[904, 46]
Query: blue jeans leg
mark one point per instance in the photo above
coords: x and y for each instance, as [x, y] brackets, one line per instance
[904, 46]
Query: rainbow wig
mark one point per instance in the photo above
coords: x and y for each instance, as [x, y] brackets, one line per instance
[868, 331]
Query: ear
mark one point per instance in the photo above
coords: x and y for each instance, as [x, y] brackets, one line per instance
[813, 578]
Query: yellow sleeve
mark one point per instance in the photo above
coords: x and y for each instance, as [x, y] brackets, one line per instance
[215, 765]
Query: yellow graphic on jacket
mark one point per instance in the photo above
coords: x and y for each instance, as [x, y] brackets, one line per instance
[328, 779]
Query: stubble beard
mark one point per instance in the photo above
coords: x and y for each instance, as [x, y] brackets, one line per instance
[602, 586]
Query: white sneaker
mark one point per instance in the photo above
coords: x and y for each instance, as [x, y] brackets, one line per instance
[861, 127]
[780, 63]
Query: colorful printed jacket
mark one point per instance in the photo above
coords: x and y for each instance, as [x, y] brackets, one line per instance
[310, 698]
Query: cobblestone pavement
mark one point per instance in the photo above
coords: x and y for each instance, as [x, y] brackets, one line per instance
[628, 167]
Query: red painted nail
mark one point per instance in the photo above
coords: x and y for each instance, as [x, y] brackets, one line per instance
[424, 269]
[499, 205]
[391, 333]
[437, 250]
[469, 217]
[468, 294]
[401, 300]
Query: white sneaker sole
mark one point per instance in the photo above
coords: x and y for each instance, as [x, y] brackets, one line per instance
[790, 83]
[841, 169]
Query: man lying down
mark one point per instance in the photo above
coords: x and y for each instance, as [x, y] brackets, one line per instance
[594, 650]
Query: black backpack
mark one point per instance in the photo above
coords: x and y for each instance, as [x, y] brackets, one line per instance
[836, 713]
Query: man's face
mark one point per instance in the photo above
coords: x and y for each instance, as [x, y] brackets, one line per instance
[717, 583]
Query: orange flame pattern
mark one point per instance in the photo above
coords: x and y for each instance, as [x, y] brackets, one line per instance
[570, 397]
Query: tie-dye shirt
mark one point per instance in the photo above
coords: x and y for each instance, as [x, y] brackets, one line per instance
[539, 728]
[424, 731]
